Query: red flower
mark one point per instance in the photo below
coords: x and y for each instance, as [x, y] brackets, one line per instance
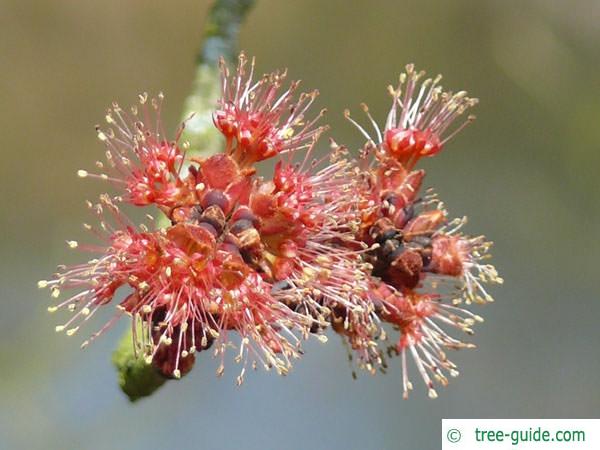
[262, 258]
[420, 120]
[258, 120]
[145, 164]
[307, 223]
[456, 255]
[414, 250]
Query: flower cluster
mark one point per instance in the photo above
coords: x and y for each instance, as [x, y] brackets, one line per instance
[260, 264]
[418, 255]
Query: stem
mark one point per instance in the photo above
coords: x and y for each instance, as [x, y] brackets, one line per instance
[221, 32]
[137, 379]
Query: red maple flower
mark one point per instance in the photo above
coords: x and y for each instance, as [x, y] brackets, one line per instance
[307, 223]
[420, 120]
[259, 121]
[415, 250]
[143, 162]
[262, 258]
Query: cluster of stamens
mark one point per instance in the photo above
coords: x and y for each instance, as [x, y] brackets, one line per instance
[418, 255]
[338, 243]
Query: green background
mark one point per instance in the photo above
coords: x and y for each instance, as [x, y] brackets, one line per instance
[526, 173]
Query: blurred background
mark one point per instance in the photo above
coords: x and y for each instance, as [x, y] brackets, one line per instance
[526, 174]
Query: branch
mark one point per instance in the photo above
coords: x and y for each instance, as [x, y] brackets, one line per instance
[220, 39]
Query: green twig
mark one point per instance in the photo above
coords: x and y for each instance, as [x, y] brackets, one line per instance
[137, 379]
[220, 40]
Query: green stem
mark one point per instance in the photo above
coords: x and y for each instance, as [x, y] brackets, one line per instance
[220, 40]
[138, 379]
[221, 31]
